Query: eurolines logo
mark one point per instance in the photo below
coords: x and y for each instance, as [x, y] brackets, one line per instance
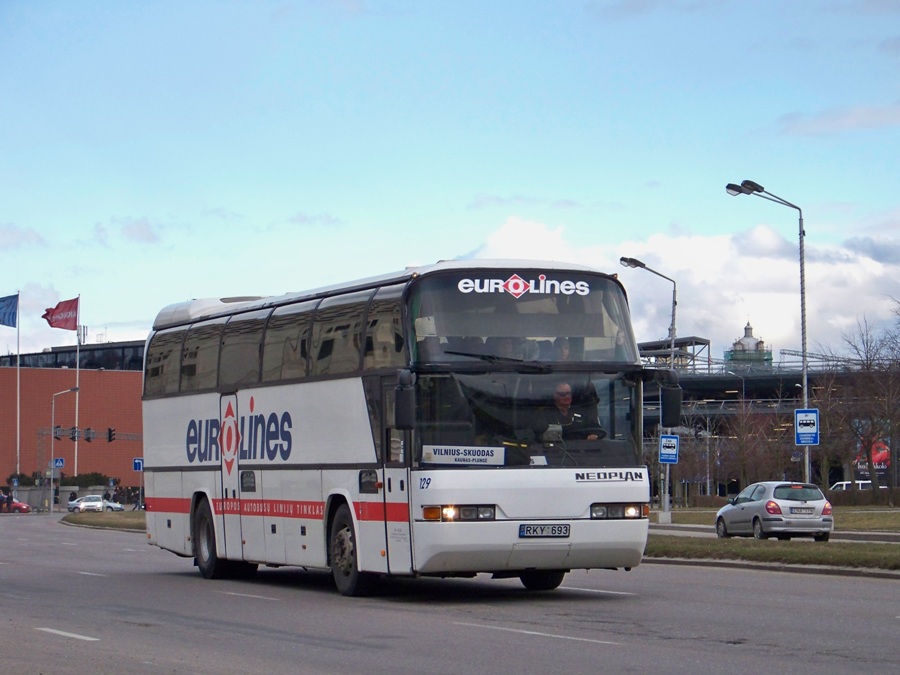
[516, 286]
[257, 437]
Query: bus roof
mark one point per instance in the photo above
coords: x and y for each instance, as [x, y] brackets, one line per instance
[187, 312]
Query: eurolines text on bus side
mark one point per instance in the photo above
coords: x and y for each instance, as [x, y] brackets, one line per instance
[259, 436]
[516, 286]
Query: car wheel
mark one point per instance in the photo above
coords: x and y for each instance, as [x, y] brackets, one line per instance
[758, 530]
[722, 529]
[822, 537]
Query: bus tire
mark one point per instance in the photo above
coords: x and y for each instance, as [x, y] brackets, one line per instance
[542, 580]
[205, 554]
[342, 556]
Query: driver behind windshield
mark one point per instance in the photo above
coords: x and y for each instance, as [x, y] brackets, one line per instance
[575, 423]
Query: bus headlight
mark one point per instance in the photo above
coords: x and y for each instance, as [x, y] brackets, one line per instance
[453, 513]
[617, 511]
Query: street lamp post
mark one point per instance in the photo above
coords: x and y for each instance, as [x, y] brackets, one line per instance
[53, 440]
[634, 262]
[748, 187]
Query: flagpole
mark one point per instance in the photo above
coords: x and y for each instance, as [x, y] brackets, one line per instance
[77, 373]
[18, 389]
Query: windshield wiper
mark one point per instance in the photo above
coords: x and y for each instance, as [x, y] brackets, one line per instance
[494, 358]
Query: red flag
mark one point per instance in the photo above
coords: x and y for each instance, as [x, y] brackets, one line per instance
[64, 315]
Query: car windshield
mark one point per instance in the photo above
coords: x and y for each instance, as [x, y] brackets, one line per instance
[798, 493]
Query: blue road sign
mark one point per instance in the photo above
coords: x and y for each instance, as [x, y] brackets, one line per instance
[668, 449]
[806, 426]
[59, 463]
[138, 463]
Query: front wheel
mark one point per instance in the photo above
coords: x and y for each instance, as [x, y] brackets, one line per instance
[343, 556]
[722, 529]
[542, 580]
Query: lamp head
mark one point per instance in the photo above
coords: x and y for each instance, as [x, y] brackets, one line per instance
[735, 190]
[750, 186]
[631, 262]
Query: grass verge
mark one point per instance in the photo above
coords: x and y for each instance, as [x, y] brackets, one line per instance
[115, 520]
[794, 552]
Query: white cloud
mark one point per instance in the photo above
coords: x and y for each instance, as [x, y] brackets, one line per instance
[724, 282]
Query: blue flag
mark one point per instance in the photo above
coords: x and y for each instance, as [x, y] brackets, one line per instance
[9, 309]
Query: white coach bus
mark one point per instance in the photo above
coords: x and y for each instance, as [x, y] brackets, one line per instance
[413, 424]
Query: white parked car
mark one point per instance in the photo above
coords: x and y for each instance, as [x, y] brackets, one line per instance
[93, 503]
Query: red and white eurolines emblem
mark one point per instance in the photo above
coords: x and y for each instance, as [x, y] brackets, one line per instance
[230, 436]
[516, 286]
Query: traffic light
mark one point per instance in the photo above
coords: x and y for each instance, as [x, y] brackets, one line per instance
[57, 432]
[88, 434]
[73, 433]
[110, 435]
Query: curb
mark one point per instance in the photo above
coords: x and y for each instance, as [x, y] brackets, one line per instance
[867, 572]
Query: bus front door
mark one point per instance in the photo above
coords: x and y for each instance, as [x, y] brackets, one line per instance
[396, 488]
[229, 443]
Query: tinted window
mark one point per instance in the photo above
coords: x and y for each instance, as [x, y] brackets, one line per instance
[520, 314]
[163, 358]
[384, 331]
[801, 493]
[337, 334]
[287, 342]
[242, 349]
[200, 356]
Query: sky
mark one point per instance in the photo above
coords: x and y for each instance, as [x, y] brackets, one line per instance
[155, 152]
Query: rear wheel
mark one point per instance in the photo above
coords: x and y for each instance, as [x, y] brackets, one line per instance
[758, 530]
[343, 556]
[721, 529]
[822, 537]
[211, 567]
[542, 580]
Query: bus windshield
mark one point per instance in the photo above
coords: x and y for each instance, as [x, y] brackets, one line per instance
[496, 419]
[526, 315]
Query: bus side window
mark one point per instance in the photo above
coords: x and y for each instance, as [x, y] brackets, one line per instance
[163, 361]
[285, 349]
[200, 356]
[336, 334]
[384, 331]
[241, 350]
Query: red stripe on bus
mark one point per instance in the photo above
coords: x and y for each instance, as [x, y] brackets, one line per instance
[379, 511]
[280, 508]
[168, 504]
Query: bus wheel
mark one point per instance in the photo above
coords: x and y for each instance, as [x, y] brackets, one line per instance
[344, 568]
[211, 567]
[542, 580]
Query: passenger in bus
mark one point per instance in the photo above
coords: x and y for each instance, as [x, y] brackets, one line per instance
[561, 348]
[575, 424]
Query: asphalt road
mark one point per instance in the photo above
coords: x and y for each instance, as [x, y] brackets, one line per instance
[86, 601]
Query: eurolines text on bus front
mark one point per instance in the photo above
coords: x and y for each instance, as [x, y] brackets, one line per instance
[516, 286]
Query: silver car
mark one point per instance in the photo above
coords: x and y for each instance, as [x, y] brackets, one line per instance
[94, 503]
[777, 508]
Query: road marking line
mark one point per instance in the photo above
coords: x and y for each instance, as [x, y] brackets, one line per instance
[539, 634]
[248, 595]
[595, 590]
[92, 574]
[70, 635]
